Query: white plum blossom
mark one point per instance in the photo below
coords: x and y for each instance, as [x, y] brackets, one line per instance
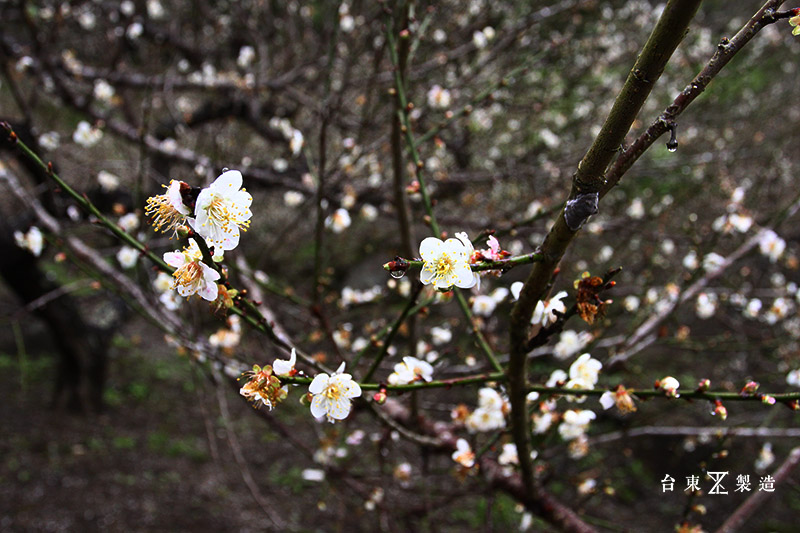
[793, 378]
[464, 454]
[556, 376]
[571, 342]
[103, 91]
[87, 135]
[441, 335]
[32, 240]
[296, 141]
[586, 368]
[438, 98]
[713, 262]
[631, 303]
[765, 458]
[167, 211]
[409, 370]
[129, 222]
[222, 210]
[246, 56]
[706, 305]
[516, 288]
[607, 399]
[368, 212]
[134, 31]
[690, 261]
[483, 305]
[333, 394]
[509, 455]
[127, 257]
[482, 419]
[543, 314]
[192, 276]
[778, 311]
[282, 367]
[293, 198]
[575, 423]
[338, 221]
[108, 181]
[49, 140]
[447, 263]
[155, 9]
[313, 474]
[669, 385]
[542, 422]
[636, 209]
[771, 245]
[753, 308]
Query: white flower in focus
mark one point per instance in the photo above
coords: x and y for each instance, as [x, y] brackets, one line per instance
[483, 305]
[86, 135]
[338, 221]
[771, 245]
[438, 98]
[127, 257]
[246, 56]
[447, 263]
[669, 385]
[543, 314]
[192, 276]
[282, 367]
[793, 378]
[32, 240]
[464, 454]
[167, 211]
[608, 399]
[222, 210]
[585, 368]
[332, 395]
[410, 370]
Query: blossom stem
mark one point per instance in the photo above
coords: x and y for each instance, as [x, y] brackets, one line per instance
[687, 394]
[501, 264]
[405, 123]
[392, 331]
[476, 332]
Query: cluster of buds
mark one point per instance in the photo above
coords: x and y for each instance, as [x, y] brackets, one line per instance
[263, 387]
[380, 396]
[587, 299]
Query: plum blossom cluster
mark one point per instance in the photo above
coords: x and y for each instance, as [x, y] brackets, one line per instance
[491, 412]
[218, 214]
[410, 370]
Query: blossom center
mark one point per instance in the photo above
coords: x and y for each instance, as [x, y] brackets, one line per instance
[188, 274]
[222, 213]
[443, 265]
[332, 392]
[163, 214]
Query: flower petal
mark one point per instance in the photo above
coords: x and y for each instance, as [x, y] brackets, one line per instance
[426, 275]
[339, 408]
[175, 259]
[319, 406]
[228, 181]
[319, 383]
[353, 390]
[430, 248]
